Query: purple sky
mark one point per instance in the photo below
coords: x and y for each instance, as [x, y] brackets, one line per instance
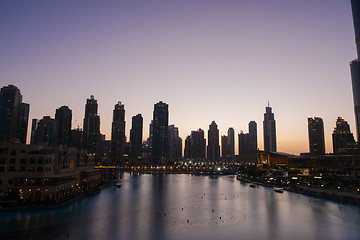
[209, 60]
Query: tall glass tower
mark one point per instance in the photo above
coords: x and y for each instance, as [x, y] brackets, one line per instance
[213, 148]
[160, 132]
[355, 65]
[316, 136]
[91, 135]
[14, 114]
[118, 133]
[269, 131]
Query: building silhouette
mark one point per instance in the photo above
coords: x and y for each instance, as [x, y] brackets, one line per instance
[342, 136]
[248, 141]
[76, 138]
[244, 148]
[269, 131]
[231, 142]
[213, 148]
[14, 115]
[63, 116]
[174, 143]
[33, 130]
[355, 66]
[316, 136]
[187, 147]
[160, 133]
[197, 145]
[91, 131]
[151, 134]
[228, 144]
[253, 146]
[118, 134]
[46, 132]
[136, 137]
[225, 147]
[23, 122]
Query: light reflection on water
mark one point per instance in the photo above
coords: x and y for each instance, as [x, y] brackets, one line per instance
[187, 207]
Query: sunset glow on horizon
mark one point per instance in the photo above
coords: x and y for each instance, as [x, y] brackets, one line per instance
[209, 60]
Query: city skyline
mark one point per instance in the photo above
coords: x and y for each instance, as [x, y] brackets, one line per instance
[210, 66]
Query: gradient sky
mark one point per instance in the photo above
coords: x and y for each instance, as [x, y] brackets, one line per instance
[219, 60]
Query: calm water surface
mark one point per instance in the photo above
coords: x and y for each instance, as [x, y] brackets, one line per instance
[187, 207]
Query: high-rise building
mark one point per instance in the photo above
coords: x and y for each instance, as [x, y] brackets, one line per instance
[91, 131]
[355, 66]
[355, 4]
[244, 148]
[252, 137]
[316, 136]
[187, 147]
[231, 142]
[33, 130]
[76, 137]
[14, 114]
[342, 136]
[136, 137]
[225, 147]
[269, 131]
[46, 131]
[174, 143]
[213, 148]
[23, 122]
[151, 134]
[248, 141]
[197, 145]
[160, 132]
[118, 134]
[63, 116]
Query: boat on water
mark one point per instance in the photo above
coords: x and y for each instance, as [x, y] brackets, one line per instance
[279, 190]
[252, 186]
[118, 185]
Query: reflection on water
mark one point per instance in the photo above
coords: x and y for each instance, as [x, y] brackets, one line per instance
[187, 207]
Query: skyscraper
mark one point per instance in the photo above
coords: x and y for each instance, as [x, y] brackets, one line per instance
[248, 141]
[244, 143]
[63, 116]
[269, 131]
[174, 143]
[231, 142]
[252, 137]
[33, 130]
[213, 148]
[118, 133]
[46, 131]
[151, 134]
[355, 66]
[160, 132]
[342, 136]
[136, 137]
[355, 4]
[23, 122]
[91, 131]
[197, 145]
[225, 147]
[14, 114]
[316, 136]
[187, 147]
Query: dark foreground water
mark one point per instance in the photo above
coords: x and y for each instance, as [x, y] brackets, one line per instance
[187, 207]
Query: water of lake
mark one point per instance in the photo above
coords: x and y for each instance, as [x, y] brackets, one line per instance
[178, 206]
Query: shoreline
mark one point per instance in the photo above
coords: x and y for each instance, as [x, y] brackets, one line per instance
[327, 194]
[50, 206]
